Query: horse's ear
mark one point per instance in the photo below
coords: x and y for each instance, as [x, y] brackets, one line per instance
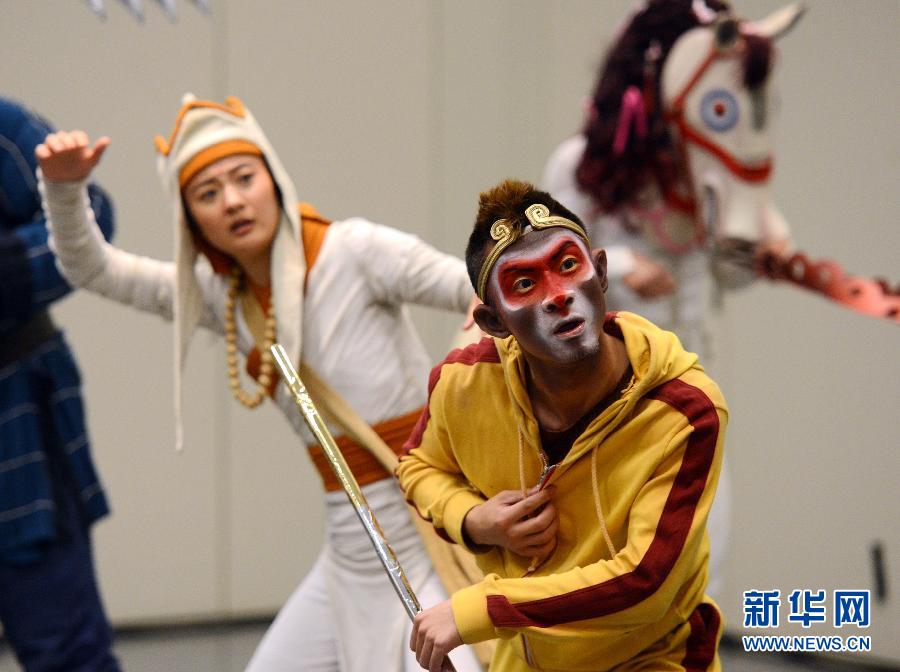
[726, 32]
[780, 22]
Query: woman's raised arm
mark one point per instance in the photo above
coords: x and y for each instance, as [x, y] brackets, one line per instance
[66, 160]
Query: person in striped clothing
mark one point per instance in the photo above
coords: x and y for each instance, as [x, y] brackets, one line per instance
[50, 493]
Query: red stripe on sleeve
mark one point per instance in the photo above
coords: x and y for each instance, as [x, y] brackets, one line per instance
[484, 350]
[674, 524]
[611, 326]
[702, 642]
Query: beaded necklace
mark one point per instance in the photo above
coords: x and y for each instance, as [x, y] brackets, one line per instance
[266, 364]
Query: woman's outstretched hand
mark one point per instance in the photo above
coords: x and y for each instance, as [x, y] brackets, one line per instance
[67, 156]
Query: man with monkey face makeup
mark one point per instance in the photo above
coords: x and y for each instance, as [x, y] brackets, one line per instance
[576, 453]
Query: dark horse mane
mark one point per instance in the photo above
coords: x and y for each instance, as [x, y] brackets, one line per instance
[614, 180]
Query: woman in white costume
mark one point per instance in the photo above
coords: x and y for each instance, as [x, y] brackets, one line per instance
[253, 266]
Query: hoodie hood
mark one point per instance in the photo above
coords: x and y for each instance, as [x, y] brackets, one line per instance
[656, 357]
[200, 128]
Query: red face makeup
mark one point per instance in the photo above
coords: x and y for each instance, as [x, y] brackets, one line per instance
[550, 296]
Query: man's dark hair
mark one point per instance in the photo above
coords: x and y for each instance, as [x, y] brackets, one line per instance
[508, 200]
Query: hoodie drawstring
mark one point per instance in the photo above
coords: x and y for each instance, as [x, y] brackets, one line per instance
[594, 485]
[521, 462]
[600, 516]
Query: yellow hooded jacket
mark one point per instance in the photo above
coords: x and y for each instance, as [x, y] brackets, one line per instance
[633, 495]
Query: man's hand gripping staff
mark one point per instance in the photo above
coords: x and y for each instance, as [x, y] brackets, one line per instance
[366, 516]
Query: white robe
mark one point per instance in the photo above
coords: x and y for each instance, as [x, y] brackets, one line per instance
[358, 336]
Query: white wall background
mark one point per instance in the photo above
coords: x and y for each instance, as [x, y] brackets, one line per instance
[403, 111]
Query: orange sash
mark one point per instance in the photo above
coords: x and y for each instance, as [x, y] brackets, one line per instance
[365, 467]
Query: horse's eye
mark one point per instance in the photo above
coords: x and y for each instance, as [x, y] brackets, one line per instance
[719, 110]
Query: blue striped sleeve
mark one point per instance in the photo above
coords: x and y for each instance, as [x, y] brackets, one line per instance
[29, 279]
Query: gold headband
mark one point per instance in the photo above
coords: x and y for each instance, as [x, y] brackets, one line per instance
[506, 232]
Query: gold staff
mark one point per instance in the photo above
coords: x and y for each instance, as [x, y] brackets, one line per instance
[366, 516]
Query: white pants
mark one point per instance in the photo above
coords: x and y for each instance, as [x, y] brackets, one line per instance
[718, 526]
[345, 615]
